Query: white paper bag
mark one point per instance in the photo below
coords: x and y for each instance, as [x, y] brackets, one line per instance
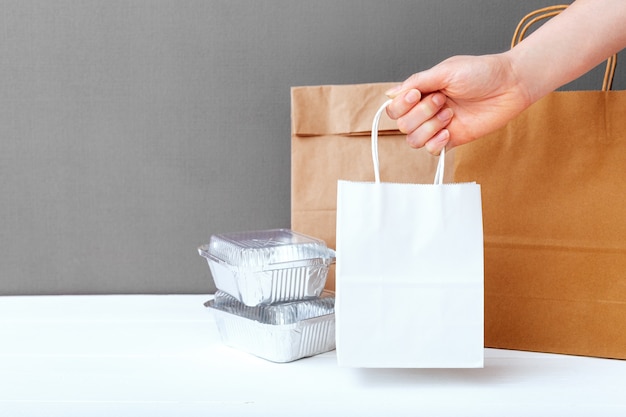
[409, 289]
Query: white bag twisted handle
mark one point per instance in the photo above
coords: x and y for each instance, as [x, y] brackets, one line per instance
[442, 155]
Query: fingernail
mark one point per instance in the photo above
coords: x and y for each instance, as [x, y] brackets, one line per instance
[437, 143]
[443, 136]
[412, 97]
[439, 99]
[392, 92]
[445, 114]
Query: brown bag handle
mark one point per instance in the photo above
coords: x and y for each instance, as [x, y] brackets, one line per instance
[546, 13]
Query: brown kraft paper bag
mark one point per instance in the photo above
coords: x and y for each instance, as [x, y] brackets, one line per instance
[554, 206]
[330, 140]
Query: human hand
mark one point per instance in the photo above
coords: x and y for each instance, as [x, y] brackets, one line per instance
[457, 101]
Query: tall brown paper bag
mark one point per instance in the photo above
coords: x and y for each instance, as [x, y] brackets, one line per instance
[330, 134]
[554, 206]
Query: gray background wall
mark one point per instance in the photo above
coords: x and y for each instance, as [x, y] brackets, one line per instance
[130, 131]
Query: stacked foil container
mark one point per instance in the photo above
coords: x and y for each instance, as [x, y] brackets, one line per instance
[270, 298]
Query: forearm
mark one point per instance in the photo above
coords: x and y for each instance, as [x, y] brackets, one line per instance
[569, 45]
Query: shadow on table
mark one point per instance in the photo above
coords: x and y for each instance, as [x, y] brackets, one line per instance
[496, 370]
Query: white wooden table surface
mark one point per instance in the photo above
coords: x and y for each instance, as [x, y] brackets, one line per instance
[161, 356]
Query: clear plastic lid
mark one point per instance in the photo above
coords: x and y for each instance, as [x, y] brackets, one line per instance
[276, 314]
[263, 248]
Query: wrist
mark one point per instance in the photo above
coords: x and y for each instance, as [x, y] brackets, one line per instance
[526, 78]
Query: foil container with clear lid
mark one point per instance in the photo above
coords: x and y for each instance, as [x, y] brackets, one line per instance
[268, 266]
[281, 332]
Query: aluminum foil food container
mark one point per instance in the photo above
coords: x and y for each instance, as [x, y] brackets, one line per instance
[268, 266]
[281, 332]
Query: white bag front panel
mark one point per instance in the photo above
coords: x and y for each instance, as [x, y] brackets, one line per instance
[409, 275]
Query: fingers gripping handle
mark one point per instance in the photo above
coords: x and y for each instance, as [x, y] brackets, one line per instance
[442, 156]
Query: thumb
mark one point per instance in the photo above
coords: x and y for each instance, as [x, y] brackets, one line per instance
[425, 82]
